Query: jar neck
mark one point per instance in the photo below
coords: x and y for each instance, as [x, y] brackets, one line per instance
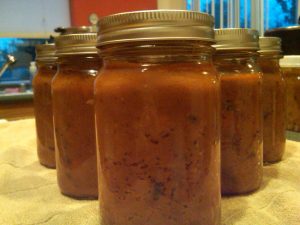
[271, 55]
[235, 55]
[269, 64]
[79, 62]
[236, 61]
[157, 52]
[46, 66]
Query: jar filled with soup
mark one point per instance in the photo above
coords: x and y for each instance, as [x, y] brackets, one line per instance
[290, 65]
[241, 110]
[46, 64]
[73, 110]
[157, 119]
[273, 99]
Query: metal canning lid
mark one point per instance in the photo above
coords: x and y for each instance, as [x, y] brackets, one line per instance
[290, 61]
[75, 30]
[76, 44]
[45, 52]
[269, 45]
[155, 25]
[236, 39]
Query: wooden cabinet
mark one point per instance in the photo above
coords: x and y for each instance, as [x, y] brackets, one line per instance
[15, 110]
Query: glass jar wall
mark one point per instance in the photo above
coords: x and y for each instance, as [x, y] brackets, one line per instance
[73, 110]
[241, 110]
[274, 100]
[157, 121]
[46, 63]
[290, 66]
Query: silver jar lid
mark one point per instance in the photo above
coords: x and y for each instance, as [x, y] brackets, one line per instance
[269, 45]
[236, 39]
[290, 61]
[75, 30]
[76, 44]
[153, 25]
[45, 53]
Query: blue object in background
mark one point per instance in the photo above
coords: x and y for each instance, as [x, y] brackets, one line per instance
[281, 13]
[277, 13]
[23, 49]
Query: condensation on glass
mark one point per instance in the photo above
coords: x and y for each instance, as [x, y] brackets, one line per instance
[73, 110]
[274, 99]
[46, 64]
[290, 66]
[241, 110]
[157, 120]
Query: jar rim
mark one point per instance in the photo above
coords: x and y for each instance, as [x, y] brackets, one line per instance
[45, 52]
[236, 39]
[290, 61]
[154, 25]
[269, 45]
[76, 44]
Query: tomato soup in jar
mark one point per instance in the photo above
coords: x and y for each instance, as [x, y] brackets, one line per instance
[241, 110]
[157, 120]
[274, 100]
[290, 65]
[73, 109]
[46, 69]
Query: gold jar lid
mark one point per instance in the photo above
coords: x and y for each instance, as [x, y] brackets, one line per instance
[155, 25]
[269, 45]
[236, 39]
[76, 44]
[45, 53]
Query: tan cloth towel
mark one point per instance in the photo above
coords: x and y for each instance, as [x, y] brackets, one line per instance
[29, 194]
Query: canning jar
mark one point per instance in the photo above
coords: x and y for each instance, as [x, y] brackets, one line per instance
[73, 110]
[241, 110]
[46, 64]
[290, 65]
[273, 99]
[157, 120]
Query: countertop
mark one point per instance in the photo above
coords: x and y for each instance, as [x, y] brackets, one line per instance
[5, 97]
[29, 194]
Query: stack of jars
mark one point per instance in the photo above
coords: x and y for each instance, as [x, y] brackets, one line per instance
[149, 101]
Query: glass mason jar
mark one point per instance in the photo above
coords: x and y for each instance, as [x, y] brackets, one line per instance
[241, 110]
[290, 66]
[274, 101]
[46, 63]
[73, 110]
[157, 120]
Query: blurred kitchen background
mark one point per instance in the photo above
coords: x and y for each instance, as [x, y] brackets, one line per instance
[25, 23]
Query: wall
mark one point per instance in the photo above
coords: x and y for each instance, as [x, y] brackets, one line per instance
[81, 9]
[32, 17]
[38, 18]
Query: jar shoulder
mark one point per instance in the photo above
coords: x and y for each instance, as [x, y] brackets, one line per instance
[148, 80]
[42, 77]
[73, 82]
